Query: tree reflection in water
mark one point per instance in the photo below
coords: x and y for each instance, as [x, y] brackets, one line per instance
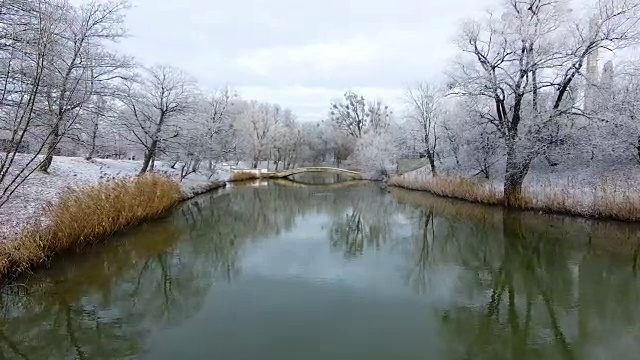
[530, 287]
[526, 286]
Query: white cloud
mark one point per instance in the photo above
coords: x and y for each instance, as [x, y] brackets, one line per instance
[300, 53]
[320, 57]
[312, 103]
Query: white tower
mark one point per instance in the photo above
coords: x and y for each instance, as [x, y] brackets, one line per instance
[592, 76]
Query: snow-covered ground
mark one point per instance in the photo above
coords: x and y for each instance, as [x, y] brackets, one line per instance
[28, 202]
[572, 174]
[593, 188]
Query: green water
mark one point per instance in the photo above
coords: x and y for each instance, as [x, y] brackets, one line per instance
[339, 271]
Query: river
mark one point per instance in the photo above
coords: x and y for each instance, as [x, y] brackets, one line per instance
[342, 270]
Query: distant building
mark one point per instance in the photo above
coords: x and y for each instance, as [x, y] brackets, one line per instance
[592, 75]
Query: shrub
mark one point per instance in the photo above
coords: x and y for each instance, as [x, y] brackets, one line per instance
[244, 175]
[84, 216]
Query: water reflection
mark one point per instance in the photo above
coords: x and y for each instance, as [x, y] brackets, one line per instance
[492, 284]
[535, 286]
[319, 178]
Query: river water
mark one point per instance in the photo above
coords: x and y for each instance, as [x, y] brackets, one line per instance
[342, 270]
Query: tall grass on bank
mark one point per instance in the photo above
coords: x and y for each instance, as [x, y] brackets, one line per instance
[244, 175]
[85, 216]
[450, 186]
[607, 199]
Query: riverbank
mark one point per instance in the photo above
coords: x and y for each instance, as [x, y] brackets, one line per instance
[30, 200]
[80, 202]
[603, 198]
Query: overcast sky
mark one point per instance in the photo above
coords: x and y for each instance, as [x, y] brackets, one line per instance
[301, 54]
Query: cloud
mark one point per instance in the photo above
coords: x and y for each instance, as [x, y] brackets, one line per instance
[312, 103]
[300, 53]
[390, 58]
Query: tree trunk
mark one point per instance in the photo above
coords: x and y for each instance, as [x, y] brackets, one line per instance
[148, 156]
[51, 147]
[516, 170]
[513, 191]
[48, 158]
[486, 171]
[92, 151]
[638, 149]
[277, 161]
[432, 162]
[145, 163]
[196, 165]
[94, 137]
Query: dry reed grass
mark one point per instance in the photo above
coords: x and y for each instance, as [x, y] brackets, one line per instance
[608, 199]
[450, 186]
[85, 216]
[244, 175]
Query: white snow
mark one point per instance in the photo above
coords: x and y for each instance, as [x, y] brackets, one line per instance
[28, 202]
[579, 186]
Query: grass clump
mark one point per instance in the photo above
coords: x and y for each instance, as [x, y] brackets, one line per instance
[85, 216]
[244, 175]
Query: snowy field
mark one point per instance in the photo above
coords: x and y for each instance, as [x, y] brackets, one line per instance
[28, 202]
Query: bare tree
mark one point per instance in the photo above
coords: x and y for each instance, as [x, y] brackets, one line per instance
[258, 123]
[525, 62]
[207, 135]
[30, 31]
[423, 111]
[483, 148]
[354, 115]
[93, 123]
[219, 128]
[288, 141]
[78, 63]
[153, 102]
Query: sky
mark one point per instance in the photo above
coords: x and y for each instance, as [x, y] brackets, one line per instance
[301, 54]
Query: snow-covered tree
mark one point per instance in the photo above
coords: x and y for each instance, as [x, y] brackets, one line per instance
[287, 142]
[618, 126]
[29, 33]
[422, 115]
[354, 115]
[376, 154]
[258, 124]
[526, 61]
[155, 103]
[206, 133]
[319, 141]
[79, 65]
